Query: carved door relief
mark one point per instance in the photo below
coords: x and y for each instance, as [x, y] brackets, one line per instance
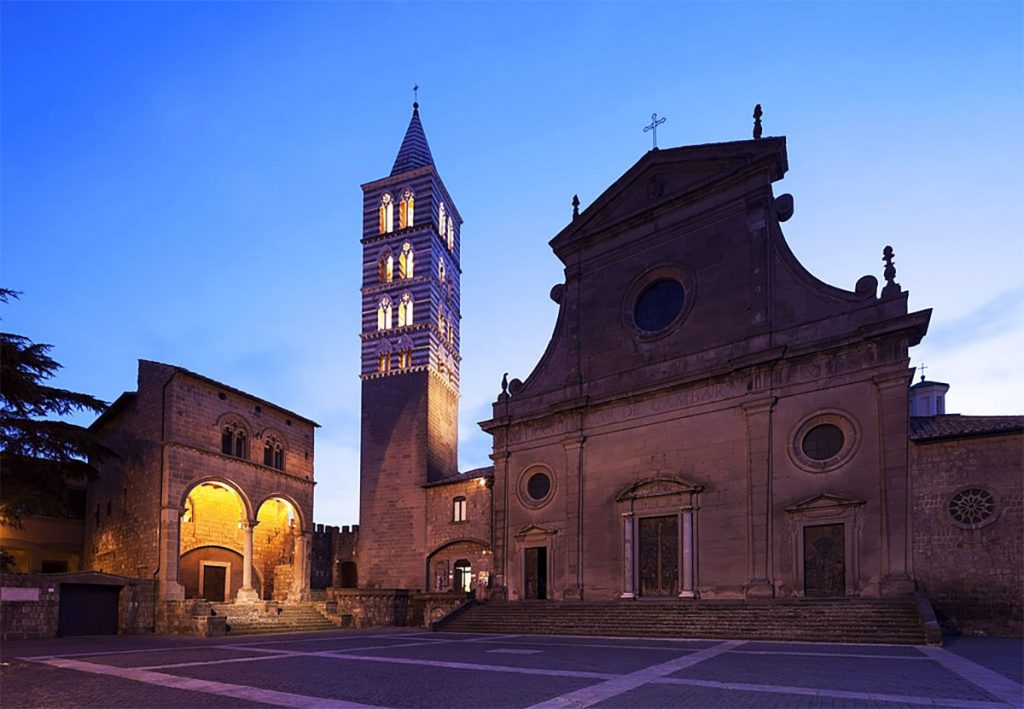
[536, 576]
[824, 560]
[658, 558]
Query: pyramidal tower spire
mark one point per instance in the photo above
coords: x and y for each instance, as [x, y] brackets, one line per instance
[415, 152]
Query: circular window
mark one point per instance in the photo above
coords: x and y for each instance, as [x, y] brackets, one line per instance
[659, 305]
[822, 442]
[538, 486]
[972, 508]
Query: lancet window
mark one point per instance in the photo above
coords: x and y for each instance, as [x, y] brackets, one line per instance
[405, 261]
[386, 266]
[405, 210]
[405, 310]
[441, 219]
[404, 352]
[234, 439]
[451, 234]
[384, 314]
[384, 356]
[440, 271]
[387, 214]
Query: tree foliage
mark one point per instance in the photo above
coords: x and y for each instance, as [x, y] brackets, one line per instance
[38, 455]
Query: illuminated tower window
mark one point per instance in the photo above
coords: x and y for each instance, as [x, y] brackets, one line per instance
[405, 210]
[384, 314]
[405, 264]
[441, 221]
[440, 270]
[451, 235]
[387, 214]
[384, 356]
[440, 324]
[405, 310]
[404, 352]
[386, 266]
[459, 509]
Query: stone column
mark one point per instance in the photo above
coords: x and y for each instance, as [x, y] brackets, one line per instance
[300, 567]
[247, 594]
[686, 528]
[627, 556]
[760, 541]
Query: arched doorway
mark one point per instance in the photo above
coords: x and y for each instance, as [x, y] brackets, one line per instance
[212, 542]
[460, 566]
[275, 544]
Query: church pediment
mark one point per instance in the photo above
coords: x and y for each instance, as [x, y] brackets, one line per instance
[662, 176]
[535, 531]
[825, 501]
[659, 486]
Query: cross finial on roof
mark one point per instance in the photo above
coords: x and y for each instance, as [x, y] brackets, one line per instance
[923, 367]
[655, 122]
[415, 96]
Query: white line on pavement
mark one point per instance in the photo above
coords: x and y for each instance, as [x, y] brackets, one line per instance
[992, 682]
[589, 696]
[831, 693]
[237, 691]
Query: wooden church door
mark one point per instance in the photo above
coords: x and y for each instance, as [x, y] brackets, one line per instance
[824, 560]
[659, 556]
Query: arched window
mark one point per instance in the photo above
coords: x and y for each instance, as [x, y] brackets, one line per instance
[405, 310]
[405, 210]
[405, 261]
[384, 314]
[404, 352]
[459, 509]
[387, 214]
[440, 324]
[441, 220]
[384, 356]
[440, 271]
[234, 440]
[451, 234]
[385, 266]
[273, 452]
[463, 576]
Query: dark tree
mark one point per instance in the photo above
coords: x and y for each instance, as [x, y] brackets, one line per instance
[39, 455]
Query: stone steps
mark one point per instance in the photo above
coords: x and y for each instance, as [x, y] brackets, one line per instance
[247, 619]
[845, 620]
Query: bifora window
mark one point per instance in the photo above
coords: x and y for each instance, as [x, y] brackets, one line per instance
[659, 304]
[823, 442]
[233, 441]
[273, 453]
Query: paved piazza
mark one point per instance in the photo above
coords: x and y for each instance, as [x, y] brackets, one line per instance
[412, 668]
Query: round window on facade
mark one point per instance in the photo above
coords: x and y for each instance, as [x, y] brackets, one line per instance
[659, 305]
[536, 486]
[972, 508]
[824, 441]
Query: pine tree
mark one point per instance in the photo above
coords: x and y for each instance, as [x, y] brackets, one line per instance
[39, 455]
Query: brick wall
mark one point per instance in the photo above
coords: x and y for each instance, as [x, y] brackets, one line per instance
[973, 577]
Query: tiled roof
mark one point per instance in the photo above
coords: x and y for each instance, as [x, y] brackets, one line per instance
[414, 152]
[923, 428]
[487, 472]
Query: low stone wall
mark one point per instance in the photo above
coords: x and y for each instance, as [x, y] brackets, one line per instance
[189, 617]
[369, 608]
[425, 608]
[30, 603]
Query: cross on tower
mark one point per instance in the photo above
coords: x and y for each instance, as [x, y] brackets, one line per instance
[415, 94]
[922, 372]
[655, 122]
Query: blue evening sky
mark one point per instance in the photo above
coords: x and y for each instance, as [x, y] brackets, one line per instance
[180, 181]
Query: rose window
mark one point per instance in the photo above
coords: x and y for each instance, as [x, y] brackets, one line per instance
[972, 507]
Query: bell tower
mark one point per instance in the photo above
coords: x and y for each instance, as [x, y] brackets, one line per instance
[410, 360]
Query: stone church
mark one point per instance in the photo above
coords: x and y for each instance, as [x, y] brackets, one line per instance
[708, 421]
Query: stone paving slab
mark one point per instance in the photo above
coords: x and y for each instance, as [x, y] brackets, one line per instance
[157, 657]
[889, 675]
[780, 648]
[1002, 655]
[393, 686]
[667, 697]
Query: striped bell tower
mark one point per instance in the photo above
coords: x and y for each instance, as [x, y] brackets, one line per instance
[410, 360]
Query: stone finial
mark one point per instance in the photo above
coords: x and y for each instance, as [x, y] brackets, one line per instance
[891, 288]
[757, 121]
[575, 206]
